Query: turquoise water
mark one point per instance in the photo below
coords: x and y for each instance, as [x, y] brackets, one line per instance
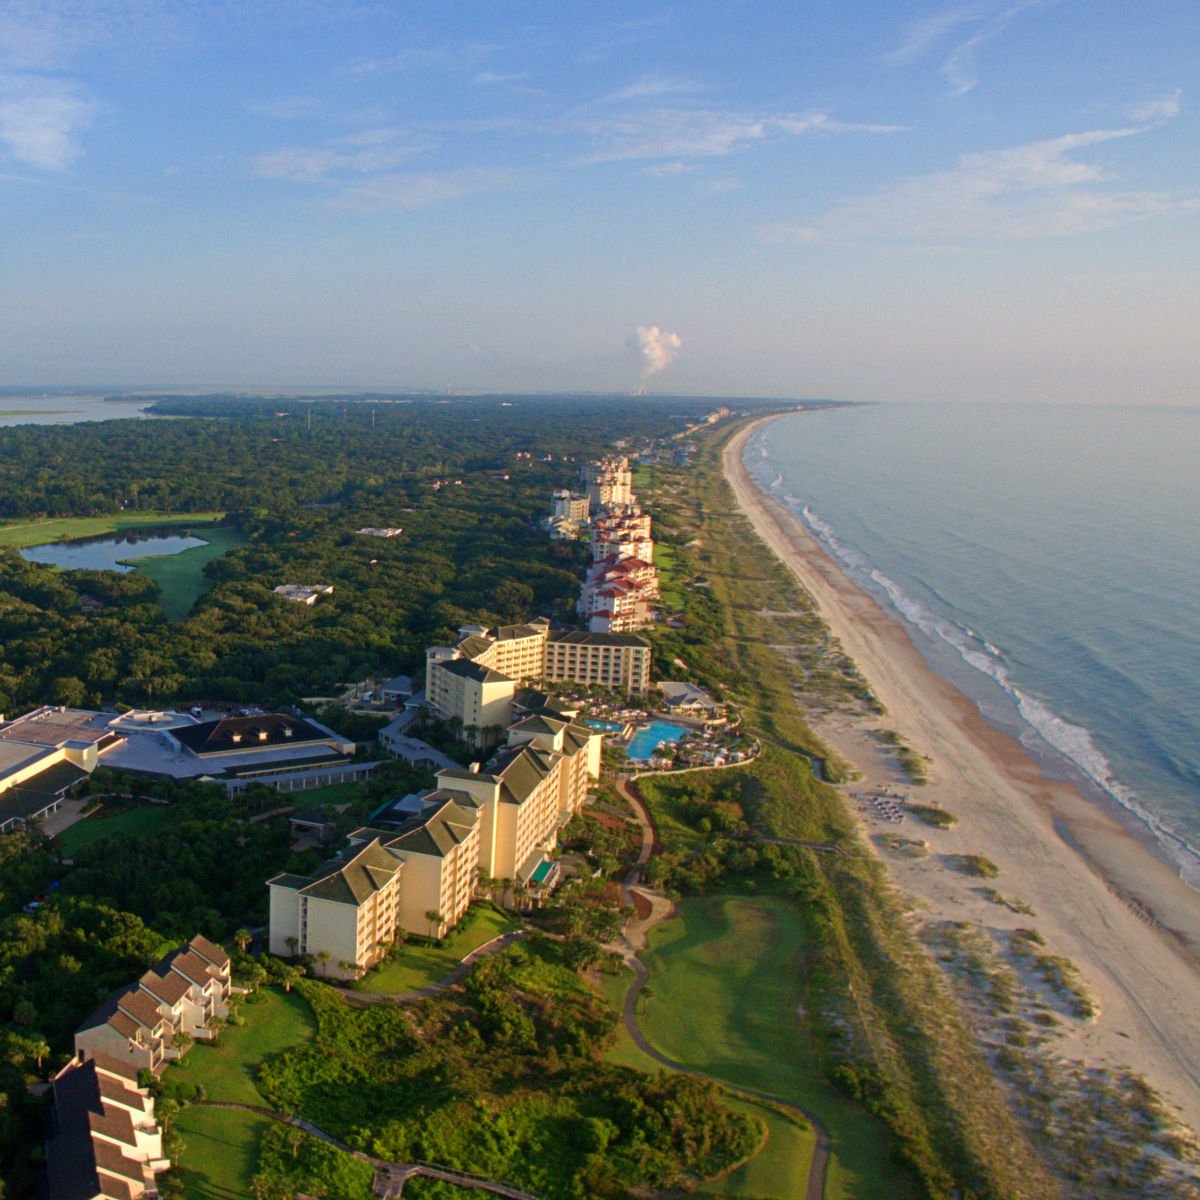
[1045, 560]
[606, 726]
[643, 743]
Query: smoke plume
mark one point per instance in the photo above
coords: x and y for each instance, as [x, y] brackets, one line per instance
[656, 348]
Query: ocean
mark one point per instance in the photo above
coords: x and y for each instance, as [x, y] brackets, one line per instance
[1045, 559]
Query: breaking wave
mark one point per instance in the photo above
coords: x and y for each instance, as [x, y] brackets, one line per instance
[1072, 742]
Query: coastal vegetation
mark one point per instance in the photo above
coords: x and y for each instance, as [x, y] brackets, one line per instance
[935, 818]
[878, 1015]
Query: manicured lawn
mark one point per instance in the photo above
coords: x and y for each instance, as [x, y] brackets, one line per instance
[220, 1154]
[418, 966]
[181, 576]
[34, 533]
[779, 1171]
[335, 793]
[132, 822]
[725, 998]
[277, 1022]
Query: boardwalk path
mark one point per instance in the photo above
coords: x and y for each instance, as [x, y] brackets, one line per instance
[390, 1177]
[635, 942]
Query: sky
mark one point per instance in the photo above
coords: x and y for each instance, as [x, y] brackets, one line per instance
[970, 201]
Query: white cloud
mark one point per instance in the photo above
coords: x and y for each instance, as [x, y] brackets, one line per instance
[987, 20]
[41, 119]
[406, 192]
[1161, 109]
[497, 78]
[656, 348]
[651, 86]
[364, 153]
[1035, 190]
[703, 133]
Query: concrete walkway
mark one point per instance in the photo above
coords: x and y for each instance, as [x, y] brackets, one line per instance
[498, 943]
[634, 941]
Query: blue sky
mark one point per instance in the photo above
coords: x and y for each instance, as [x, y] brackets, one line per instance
[992, 199]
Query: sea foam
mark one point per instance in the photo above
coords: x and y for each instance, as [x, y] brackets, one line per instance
[1072, 742]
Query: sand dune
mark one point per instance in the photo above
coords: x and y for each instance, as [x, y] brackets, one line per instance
[1102, 897]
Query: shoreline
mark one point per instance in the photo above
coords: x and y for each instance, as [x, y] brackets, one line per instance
[1104, 898]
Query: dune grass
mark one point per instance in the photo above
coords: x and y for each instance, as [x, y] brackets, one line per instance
[56, 529]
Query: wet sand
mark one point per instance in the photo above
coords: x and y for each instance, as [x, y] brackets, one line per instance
[1101, 897]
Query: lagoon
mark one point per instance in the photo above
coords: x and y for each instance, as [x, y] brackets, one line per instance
[110, 553]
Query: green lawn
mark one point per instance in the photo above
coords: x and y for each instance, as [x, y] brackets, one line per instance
[335, 793]
[418, 966]
[220, 1155]
[725, 998]
[778, 1171]
[54, 529]
[277, 1022]
[150, 818]
[181, 576]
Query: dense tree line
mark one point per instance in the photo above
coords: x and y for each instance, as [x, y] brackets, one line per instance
[472, 550]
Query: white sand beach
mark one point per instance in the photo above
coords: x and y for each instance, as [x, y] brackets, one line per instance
[1101, 897]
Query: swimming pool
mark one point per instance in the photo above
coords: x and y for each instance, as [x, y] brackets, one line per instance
[606, 726]
[645, 740]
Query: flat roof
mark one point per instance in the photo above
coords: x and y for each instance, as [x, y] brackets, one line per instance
[49, 726]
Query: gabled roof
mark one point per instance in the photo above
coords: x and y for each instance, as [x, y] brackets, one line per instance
[475, 644]
[437, 834]
[209, 950]
[167, 987]
[191, 966]
[466, 668]
[348, 880]
[539, 723]
[141, 1007]
[521, 770]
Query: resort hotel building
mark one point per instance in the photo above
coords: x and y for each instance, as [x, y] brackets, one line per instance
[475, 680]
[416, 866]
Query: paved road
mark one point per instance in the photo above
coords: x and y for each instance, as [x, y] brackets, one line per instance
[635, 942]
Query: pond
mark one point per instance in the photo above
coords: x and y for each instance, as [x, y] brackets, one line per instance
[110, 552]
[652, 735]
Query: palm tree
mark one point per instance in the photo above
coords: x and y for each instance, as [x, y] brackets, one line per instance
[37, 1049]
[243, 938]
[435, 921]
[288, 976]
[292, 944]
[323, 957]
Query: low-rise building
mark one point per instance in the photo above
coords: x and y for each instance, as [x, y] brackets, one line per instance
[140, 1025]
[104, 1143]
[303, 593]
[687, 698]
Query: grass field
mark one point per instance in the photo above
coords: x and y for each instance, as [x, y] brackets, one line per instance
[220, 1154]
[181, 576]
[277, 1022]
[418, 966]
[743, 1026]
[335, 793]
[778, 1171]
[131, 822]
[56, 529]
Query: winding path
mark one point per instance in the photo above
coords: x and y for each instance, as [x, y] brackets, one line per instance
[390, 1177]
[635, 942]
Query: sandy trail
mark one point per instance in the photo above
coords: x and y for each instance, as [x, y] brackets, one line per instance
[1100, 895]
